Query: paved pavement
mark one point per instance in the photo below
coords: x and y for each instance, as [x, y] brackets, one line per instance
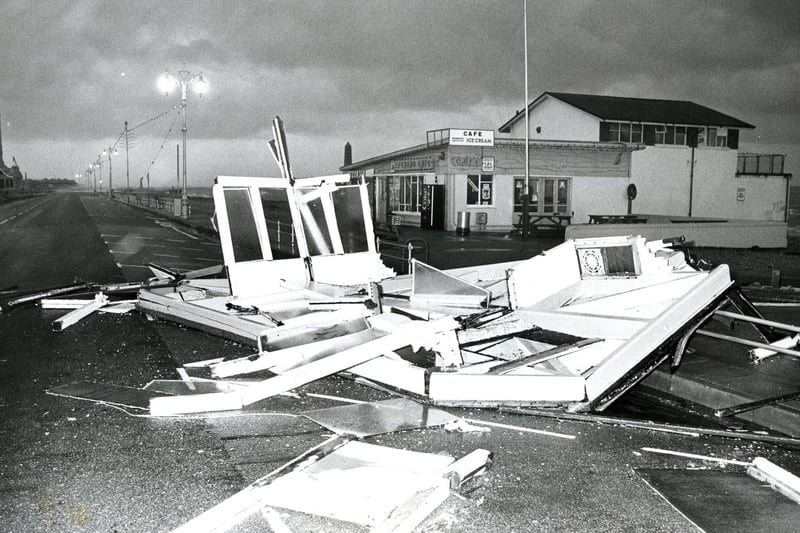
[68, 465]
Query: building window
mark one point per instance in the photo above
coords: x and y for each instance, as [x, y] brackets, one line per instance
[661, 132]
[545, 195]
[480, 189]
[404, 193]
[760, 164]
[627, 132]
[712, 136]
[671, 135]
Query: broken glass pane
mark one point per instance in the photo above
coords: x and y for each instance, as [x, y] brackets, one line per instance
[350, 219]
[312, 213]
[244, 234]
[389, 416]
[278, 216]
[431, 285]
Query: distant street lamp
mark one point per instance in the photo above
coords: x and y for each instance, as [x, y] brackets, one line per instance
[98, 165]
[184, 80]
[108, 152]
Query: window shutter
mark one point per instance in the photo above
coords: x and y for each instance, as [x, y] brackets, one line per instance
[605, 129]
[691, 136]
[649, 134]
[733, 138]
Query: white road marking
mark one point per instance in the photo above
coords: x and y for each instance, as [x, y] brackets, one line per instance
[206, 259]
[167, 255]
[120, 252]
[132, 266]
[192, 249]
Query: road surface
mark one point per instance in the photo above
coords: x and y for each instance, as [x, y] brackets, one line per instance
[70, 465]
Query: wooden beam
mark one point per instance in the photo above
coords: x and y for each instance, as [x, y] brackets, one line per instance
[77, 314]
[417, 331]
[779, 479]
[546, 355]
[244, 503]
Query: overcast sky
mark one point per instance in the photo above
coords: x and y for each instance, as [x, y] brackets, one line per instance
[375, 73]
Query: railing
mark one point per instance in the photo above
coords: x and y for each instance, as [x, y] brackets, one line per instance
[398, 255]
[760, 164]
[167, 204]
[281, 236]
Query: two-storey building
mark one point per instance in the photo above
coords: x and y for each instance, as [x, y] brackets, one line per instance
[590, 158]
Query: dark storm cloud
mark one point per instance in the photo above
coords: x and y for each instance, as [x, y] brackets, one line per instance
[75, 71]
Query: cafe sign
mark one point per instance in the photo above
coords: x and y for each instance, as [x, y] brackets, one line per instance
[411, 165]
[471, 137]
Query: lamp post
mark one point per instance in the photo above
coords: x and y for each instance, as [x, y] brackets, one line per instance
[184, 80]
[108, 152]
[98, 165]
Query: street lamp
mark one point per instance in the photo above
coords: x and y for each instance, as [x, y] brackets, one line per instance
[108, 152]
[184, 80]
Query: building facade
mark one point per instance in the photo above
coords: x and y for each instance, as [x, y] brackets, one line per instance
[588, 155]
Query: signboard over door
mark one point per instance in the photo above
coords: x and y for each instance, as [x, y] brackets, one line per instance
[471, 137]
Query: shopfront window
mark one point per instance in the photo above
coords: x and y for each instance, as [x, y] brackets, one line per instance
[480, 189]
[545, 195]
[404, 193]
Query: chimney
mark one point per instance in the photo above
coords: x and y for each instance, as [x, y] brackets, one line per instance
[348, 154]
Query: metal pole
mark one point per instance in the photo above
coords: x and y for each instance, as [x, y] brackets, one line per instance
[184, 196]
[525, 192]
[109, 172]
[127, 161]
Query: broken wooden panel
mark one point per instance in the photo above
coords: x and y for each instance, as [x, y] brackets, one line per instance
[416, 332]
[432, 286]
[74, 316]
[658, 331]
[642, 301]
[454, 388]
[543, 276]
[237, 508]
[377, 418]
[377, 482]
[280, 361]
[394, 372]
[203, 316]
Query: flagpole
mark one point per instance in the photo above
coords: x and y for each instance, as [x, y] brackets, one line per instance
[525, 192]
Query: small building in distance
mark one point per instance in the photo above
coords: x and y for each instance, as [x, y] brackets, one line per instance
[10, 177]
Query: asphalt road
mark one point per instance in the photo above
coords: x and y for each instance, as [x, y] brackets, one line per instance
[69, 465]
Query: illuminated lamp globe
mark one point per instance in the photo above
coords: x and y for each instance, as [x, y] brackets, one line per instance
[201, 85]
[166, 83]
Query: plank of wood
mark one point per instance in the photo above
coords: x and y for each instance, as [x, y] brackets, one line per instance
[76, 315]
[779, 479]
[558, 351]
[418, 331]
[249, 500]
[347, 359]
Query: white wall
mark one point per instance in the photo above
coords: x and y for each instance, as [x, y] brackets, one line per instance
[598, 196]
[558, 121]
[661, 176]
[716, 190]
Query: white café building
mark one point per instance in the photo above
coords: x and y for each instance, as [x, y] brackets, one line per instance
[590, 157]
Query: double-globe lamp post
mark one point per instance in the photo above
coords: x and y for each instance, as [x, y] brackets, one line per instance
[184, 80]
[109, 152]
